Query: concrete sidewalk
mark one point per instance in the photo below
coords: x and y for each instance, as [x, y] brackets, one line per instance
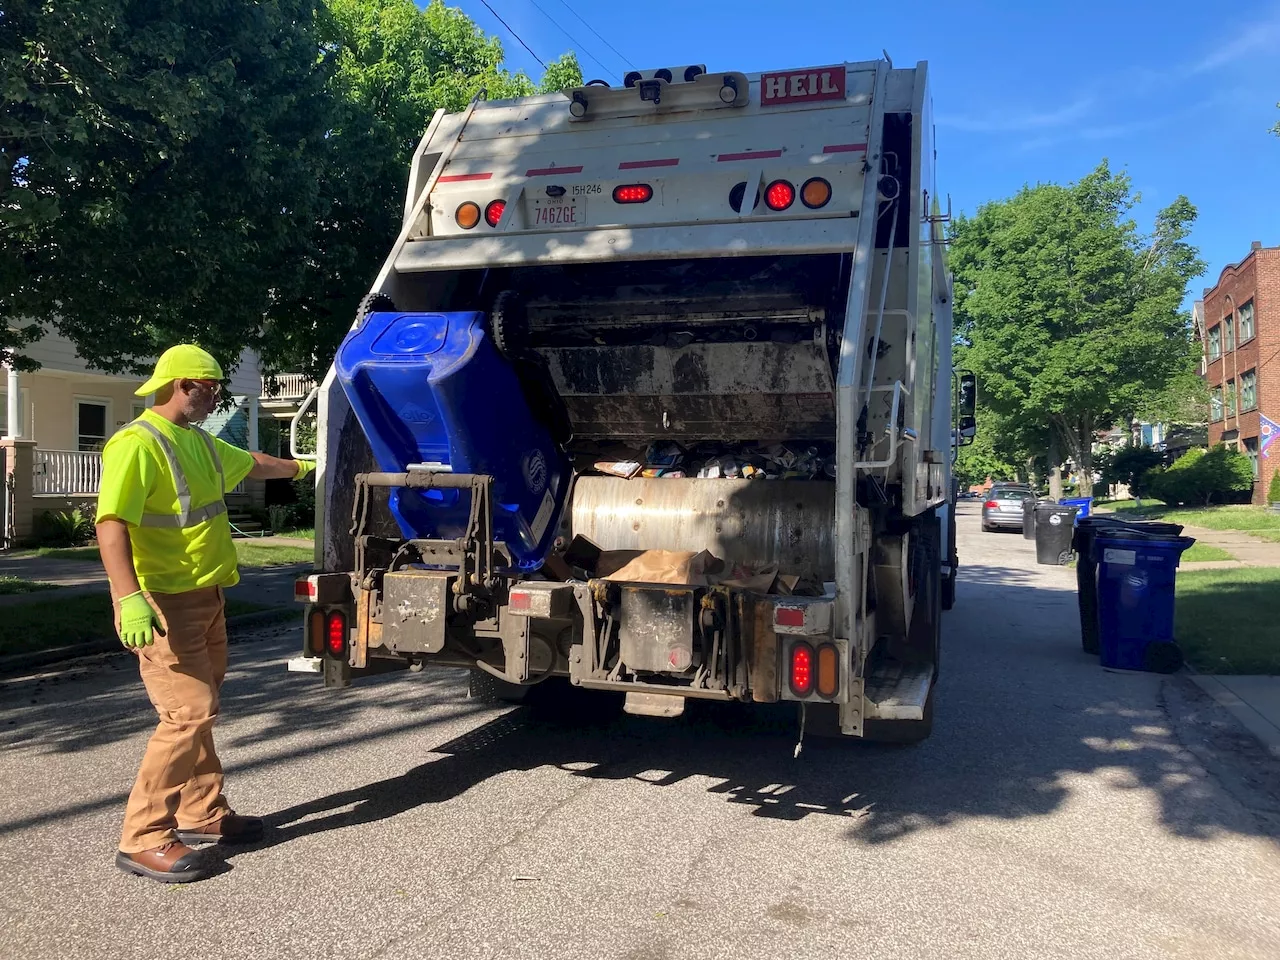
[1254, 701]
[1249, 550]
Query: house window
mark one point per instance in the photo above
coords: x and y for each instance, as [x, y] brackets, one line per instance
[22, 413]
[135, 409]
[1215, 404]
[1251, 451]
[1249, 391]
[1229, 326]
[91, 424]
[1215, 343]
[1231, 398]
[1246, 322]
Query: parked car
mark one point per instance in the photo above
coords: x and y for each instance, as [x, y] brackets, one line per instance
[1003, 506]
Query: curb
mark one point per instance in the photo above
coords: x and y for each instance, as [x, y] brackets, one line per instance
[17, 663]
[1241, 710]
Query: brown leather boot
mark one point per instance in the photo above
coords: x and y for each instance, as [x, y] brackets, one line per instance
[172, 862]
[232, 828]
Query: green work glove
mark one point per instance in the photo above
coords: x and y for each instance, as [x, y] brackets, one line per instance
[138, 621]
[304, 468]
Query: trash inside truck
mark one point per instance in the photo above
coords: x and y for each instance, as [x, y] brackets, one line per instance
[653, 395]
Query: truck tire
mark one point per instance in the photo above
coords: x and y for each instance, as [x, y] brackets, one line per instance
[949, 590]
[373, 303]
[509, 324]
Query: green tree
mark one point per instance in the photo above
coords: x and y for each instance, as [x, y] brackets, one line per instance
[396, 64]
[160, 163]
[1201, 476]
[1071, 316]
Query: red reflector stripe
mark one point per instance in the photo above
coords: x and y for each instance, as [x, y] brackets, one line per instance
[551, 171]
[462, 177]
[789, 617]
[521, 601]
[750, 155]
[845, 148]
[641, 164]
[304, 589]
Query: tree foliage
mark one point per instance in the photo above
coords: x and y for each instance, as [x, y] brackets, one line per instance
[1071, 316]
[1129, 465]
[217, 171]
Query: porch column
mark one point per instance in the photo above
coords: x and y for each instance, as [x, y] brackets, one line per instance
[14, 423]
[253, 424]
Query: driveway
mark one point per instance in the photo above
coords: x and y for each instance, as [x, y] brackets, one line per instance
[1057, 811]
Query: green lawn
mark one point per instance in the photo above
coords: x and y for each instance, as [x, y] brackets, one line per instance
[298, 533]
[39, 625]
[249, 553]
[1257, 521]
[1203, 552]
[13, 585]
[1226, 619]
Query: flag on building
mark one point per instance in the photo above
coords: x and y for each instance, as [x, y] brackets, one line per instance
[1269, 430]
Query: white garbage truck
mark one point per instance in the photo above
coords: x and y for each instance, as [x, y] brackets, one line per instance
[654, 395]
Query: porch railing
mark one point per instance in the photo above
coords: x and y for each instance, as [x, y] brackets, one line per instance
[66, 472]
[286, 386]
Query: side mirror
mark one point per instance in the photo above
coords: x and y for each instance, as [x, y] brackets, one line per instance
[968, 429]
[967, 396]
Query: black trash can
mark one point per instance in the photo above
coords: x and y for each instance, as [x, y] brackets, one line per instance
[1054, 527]
[1083, 541]
[1029, 518]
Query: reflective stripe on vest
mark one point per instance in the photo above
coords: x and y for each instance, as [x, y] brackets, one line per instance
[186, 517]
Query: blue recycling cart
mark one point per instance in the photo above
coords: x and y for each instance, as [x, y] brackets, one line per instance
[1137, 574]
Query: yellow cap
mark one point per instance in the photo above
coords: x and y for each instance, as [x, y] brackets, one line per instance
[185, 361]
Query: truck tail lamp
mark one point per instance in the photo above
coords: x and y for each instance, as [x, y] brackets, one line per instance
[815, 193]
[467, 215]
[305, 590]
[315, 633]
[779, 195]
[813, 670]
[494, 211]
[800, 674]
[335, 634]
[633, 193]
[326, 588]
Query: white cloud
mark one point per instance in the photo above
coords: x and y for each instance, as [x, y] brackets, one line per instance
[1258, 35]
[1014, 122]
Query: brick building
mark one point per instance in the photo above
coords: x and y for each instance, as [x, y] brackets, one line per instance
[1240, 333]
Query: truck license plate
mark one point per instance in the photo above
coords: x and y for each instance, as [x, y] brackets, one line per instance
[560, 212]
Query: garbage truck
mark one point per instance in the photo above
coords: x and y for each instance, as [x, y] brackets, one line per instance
[653, 395]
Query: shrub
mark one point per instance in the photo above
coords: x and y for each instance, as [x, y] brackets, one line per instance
[65, 528]
[304, 510]
[1273, 493]
[280, 516]
[1129, 465]
[1201, 477]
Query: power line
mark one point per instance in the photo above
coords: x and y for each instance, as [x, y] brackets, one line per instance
[600, 38]
[514, 34]
[577, 43]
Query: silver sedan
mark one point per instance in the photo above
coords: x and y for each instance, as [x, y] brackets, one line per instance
[1003, 508]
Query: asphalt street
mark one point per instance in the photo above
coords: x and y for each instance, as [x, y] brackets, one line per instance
[1057, 811]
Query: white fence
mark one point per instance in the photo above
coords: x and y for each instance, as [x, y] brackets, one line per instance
[287, 386]
[66, 472]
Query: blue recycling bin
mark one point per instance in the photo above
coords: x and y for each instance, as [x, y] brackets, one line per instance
[1085, 505]
[1136, 584]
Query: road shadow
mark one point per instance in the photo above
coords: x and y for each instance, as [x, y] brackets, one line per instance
[1021, 714]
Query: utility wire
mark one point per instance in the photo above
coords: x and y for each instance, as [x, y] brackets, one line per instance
[600, 38]
[514, 34]
[577, 43]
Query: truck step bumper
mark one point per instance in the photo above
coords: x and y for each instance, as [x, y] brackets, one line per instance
[898, 691]
[306, 665]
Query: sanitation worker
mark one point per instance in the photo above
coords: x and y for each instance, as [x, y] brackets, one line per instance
[166, 544]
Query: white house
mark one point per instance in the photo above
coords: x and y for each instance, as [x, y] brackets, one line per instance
[55, 421]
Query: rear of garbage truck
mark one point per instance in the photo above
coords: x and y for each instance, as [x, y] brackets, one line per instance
[653, 395]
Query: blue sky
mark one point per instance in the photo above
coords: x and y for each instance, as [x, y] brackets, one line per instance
[1181, 95]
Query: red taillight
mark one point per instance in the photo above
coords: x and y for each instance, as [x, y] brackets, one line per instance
[779, 195]
[991, 505]
[493, 212]
[633, 193]
[802, 669]
[336, 634]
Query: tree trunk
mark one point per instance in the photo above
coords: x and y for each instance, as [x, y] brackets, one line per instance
[1055, 466]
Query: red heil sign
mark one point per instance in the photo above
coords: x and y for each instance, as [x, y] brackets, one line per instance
[801, 86]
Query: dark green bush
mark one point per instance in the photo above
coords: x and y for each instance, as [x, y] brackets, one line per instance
[64, 528]
[1201, 477]
[1129, 465]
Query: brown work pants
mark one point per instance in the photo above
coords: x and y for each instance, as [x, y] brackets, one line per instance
[180, 781]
